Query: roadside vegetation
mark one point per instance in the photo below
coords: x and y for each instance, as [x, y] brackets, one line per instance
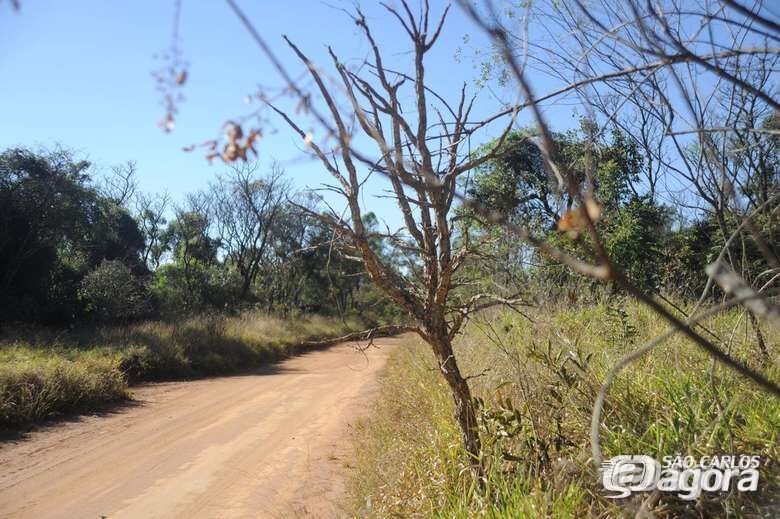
[102, 286]
[535, 384]
[45, 373]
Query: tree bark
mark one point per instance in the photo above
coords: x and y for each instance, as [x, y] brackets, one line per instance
[246, 283]
[464, 403]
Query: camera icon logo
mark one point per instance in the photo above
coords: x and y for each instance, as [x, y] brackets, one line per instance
[629, 473]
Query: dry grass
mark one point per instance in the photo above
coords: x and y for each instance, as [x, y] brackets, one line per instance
[536, 390]
[44, 373]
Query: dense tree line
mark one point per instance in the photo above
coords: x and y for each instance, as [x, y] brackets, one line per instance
[80, 247]
[660, 245]
[77, 248]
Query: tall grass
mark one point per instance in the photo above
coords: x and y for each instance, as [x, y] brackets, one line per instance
[34, 385]
[44, 373]
[535, 385]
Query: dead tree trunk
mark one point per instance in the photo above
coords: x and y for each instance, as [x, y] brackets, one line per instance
[423, 153]
[464, 404]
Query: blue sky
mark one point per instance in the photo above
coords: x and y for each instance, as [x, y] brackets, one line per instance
[79, 74]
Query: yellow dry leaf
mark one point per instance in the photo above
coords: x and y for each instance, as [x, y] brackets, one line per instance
[575, 220]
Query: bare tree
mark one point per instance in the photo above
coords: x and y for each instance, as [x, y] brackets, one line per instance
[422, 151]
[285, 271]
[120, 184]
[150, 214]
[244, 209]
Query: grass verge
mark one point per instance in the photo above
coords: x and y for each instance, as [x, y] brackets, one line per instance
[45, 373]
[535, 386]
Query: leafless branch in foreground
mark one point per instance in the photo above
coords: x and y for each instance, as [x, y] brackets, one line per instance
[421, 152]
[615, 34]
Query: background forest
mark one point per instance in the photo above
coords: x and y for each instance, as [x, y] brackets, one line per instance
[83, 248]
[80, 247]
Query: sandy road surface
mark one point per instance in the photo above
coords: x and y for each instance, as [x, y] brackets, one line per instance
[272, 444]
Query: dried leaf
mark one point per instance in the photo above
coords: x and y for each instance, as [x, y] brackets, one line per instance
[575, 220]
[231, 152]
[233, 132]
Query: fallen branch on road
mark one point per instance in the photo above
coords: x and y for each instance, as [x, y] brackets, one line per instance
[365, 335]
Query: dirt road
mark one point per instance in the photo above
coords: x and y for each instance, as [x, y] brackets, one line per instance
[273, 444]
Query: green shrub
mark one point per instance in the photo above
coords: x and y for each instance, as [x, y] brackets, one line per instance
[112, 293]
[183, 291]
